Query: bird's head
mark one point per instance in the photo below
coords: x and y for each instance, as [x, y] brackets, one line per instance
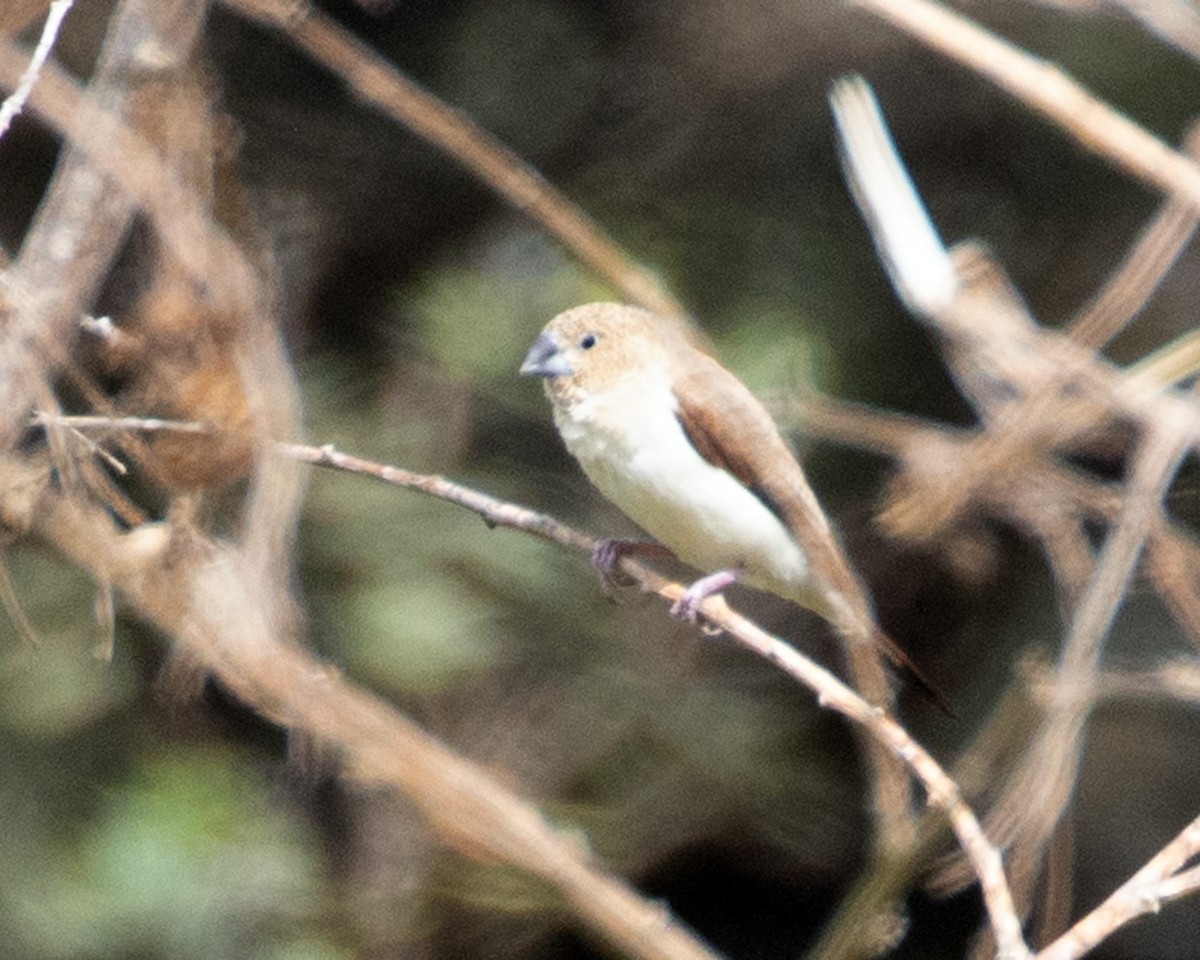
[588, 349]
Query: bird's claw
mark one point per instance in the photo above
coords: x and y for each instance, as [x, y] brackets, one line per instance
[687, 607]
[606, 561]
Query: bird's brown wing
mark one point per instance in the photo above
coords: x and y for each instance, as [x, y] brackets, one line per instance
[732, 430]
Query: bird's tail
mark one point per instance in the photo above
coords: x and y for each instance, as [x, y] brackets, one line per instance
[856, 624]
[904, 664]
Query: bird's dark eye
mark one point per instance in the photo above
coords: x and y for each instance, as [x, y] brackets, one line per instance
[588, 341]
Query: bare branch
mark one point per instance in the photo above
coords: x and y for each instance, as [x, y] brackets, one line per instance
[1035, 393]
[1045, 88]
[82, 220]
[205, 599]
[905, 237]
[117, 424]
[941, 790]
[377, 82]
[1143, 893]
[1145, 266]
[15, 102]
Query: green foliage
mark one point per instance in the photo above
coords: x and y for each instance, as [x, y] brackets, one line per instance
[192, 858]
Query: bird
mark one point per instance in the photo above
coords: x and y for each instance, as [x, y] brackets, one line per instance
[681, 446]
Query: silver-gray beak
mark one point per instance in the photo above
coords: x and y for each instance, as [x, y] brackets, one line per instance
[544, 359]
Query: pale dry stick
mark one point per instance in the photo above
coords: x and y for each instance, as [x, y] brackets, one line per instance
[1172, 363]
[964, 295]
[1034, 504]
[942, 791]
[1175, 21]
[1158, 881]
[966, 298]
[15, 102]
[202, 598]
[1045, 88]
[886, 882]
[379, 83]
[1048, 500]
[1048, 766]
[901, 437]
[116, 424]
[905, 238]
[1130, 287]
[162, 31]
[991, 338]
[1037, 391]
[66, 253]
[1176, 680]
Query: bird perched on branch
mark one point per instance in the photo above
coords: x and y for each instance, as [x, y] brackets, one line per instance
[676, 441]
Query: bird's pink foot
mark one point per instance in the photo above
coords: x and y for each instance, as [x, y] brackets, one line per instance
[607, 555]
[687, 607]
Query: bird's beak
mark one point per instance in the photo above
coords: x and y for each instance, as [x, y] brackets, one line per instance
[544, 359]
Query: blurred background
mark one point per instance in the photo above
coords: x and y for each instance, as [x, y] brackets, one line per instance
[135, 823]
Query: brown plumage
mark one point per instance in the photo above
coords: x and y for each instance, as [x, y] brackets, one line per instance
[686, 450]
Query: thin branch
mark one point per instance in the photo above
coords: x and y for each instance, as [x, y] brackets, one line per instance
[203, 248]
[377, 82]
[117, 424]
[1036, 795]
[1046, 89]
[906, 240]
[1176, 680]
[1170, 364]
[1133, 283]
[941, 790]
[1159, 880]
[203, 598]
[15, 102]
[67, 252]
[1177, 22]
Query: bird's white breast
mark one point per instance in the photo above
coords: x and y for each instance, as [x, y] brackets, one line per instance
[631, 445]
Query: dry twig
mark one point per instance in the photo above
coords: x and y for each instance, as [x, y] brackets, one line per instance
[379, 83]
[942, 791]
[1144, 268]
[203, 593]
[15, 102]
[1161, 879]
[1035, 393]
[1047, 90]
